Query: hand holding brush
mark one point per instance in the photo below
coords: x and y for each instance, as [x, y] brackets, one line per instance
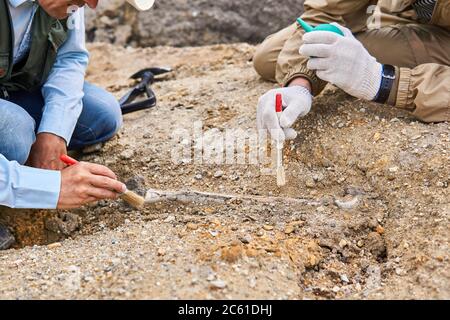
[91, 183]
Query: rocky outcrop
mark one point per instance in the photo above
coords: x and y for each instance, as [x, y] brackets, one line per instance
[190, 23]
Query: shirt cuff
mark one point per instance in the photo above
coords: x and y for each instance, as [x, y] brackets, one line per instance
[36, 188]
[60, 121]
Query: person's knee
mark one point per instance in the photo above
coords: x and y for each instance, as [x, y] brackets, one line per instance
[262, 62]
[109, 119]
[113, 119]
[16, 132]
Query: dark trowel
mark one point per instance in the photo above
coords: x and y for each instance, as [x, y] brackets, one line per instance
[146, 78]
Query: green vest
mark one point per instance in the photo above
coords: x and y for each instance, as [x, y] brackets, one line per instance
[47, 35]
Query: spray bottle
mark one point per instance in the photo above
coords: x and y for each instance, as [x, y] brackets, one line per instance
[321, 27]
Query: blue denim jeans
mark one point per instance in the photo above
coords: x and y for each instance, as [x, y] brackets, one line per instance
[21, 114]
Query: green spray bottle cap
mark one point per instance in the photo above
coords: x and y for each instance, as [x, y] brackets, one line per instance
[321, 27]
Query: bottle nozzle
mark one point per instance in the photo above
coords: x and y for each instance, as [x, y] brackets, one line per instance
[304, 25]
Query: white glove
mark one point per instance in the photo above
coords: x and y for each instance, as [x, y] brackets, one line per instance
[343, 61]
[297, 102]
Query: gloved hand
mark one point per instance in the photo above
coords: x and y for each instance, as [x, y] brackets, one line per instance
[343, 61]
[297, 102]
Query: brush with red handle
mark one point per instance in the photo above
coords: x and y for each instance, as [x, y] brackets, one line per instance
[128, 196]
[281, 175]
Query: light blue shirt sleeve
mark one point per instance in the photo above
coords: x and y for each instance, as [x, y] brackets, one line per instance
[63, 90]
[26, 187]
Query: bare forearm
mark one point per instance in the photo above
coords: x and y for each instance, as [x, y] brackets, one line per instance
[301, 82]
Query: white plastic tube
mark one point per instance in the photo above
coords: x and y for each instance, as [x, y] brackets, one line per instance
[142, 5]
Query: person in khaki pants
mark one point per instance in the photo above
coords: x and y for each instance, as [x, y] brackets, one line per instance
[393, 52]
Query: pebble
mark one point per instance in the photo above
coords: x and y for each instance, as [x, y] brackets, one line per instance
[214, 233]
[260, 233]
[289, 230]
[343, 243]
[246, 239]
[126, 154]
[310, 183]
[377, 137]
[198, 177]
[344, 278]
[169, 219]
[400, 272]
[393, 169]
[347, 205]
[360, 244]
[321, 209]
[268, 228]
[218, 284]
[54, 245]
[218, 174]
[161, 252]
[192, 226]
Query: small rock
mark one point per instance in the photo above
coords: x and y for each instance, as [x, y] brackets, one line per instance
[376, 136]
[260, 233]
[234, 178]
[127, 154]
[310, 183]
[360, 243]
[321, 209]
[246, 239]
[218, 284]
[214, 233]
[343, 243]
[198, 177]
[380, 230]
[192, 226]
[218, 174]
[393, 169]
[347, 205]
[289, 229]
[54, 245]
[161, 252]
[137, 184]
[344, 278]
[268, 228]
[169, 219]
[336, 289]
[400, 272]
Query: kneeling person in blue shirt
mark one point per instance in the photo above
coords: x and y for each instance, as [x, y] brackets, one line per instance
[47, 108]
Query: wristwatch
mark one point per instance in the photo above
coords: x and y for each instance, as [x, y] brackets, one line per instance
[387, 82]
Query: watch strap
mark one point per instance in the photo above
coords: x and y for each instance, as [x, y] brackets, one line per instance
[387, 82]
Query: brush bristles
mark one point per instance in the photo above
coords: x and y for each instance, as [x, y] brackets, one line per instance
[133, 199]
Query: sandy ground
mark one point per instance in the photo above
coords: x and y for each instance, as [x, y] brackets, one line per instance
[373, 220]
